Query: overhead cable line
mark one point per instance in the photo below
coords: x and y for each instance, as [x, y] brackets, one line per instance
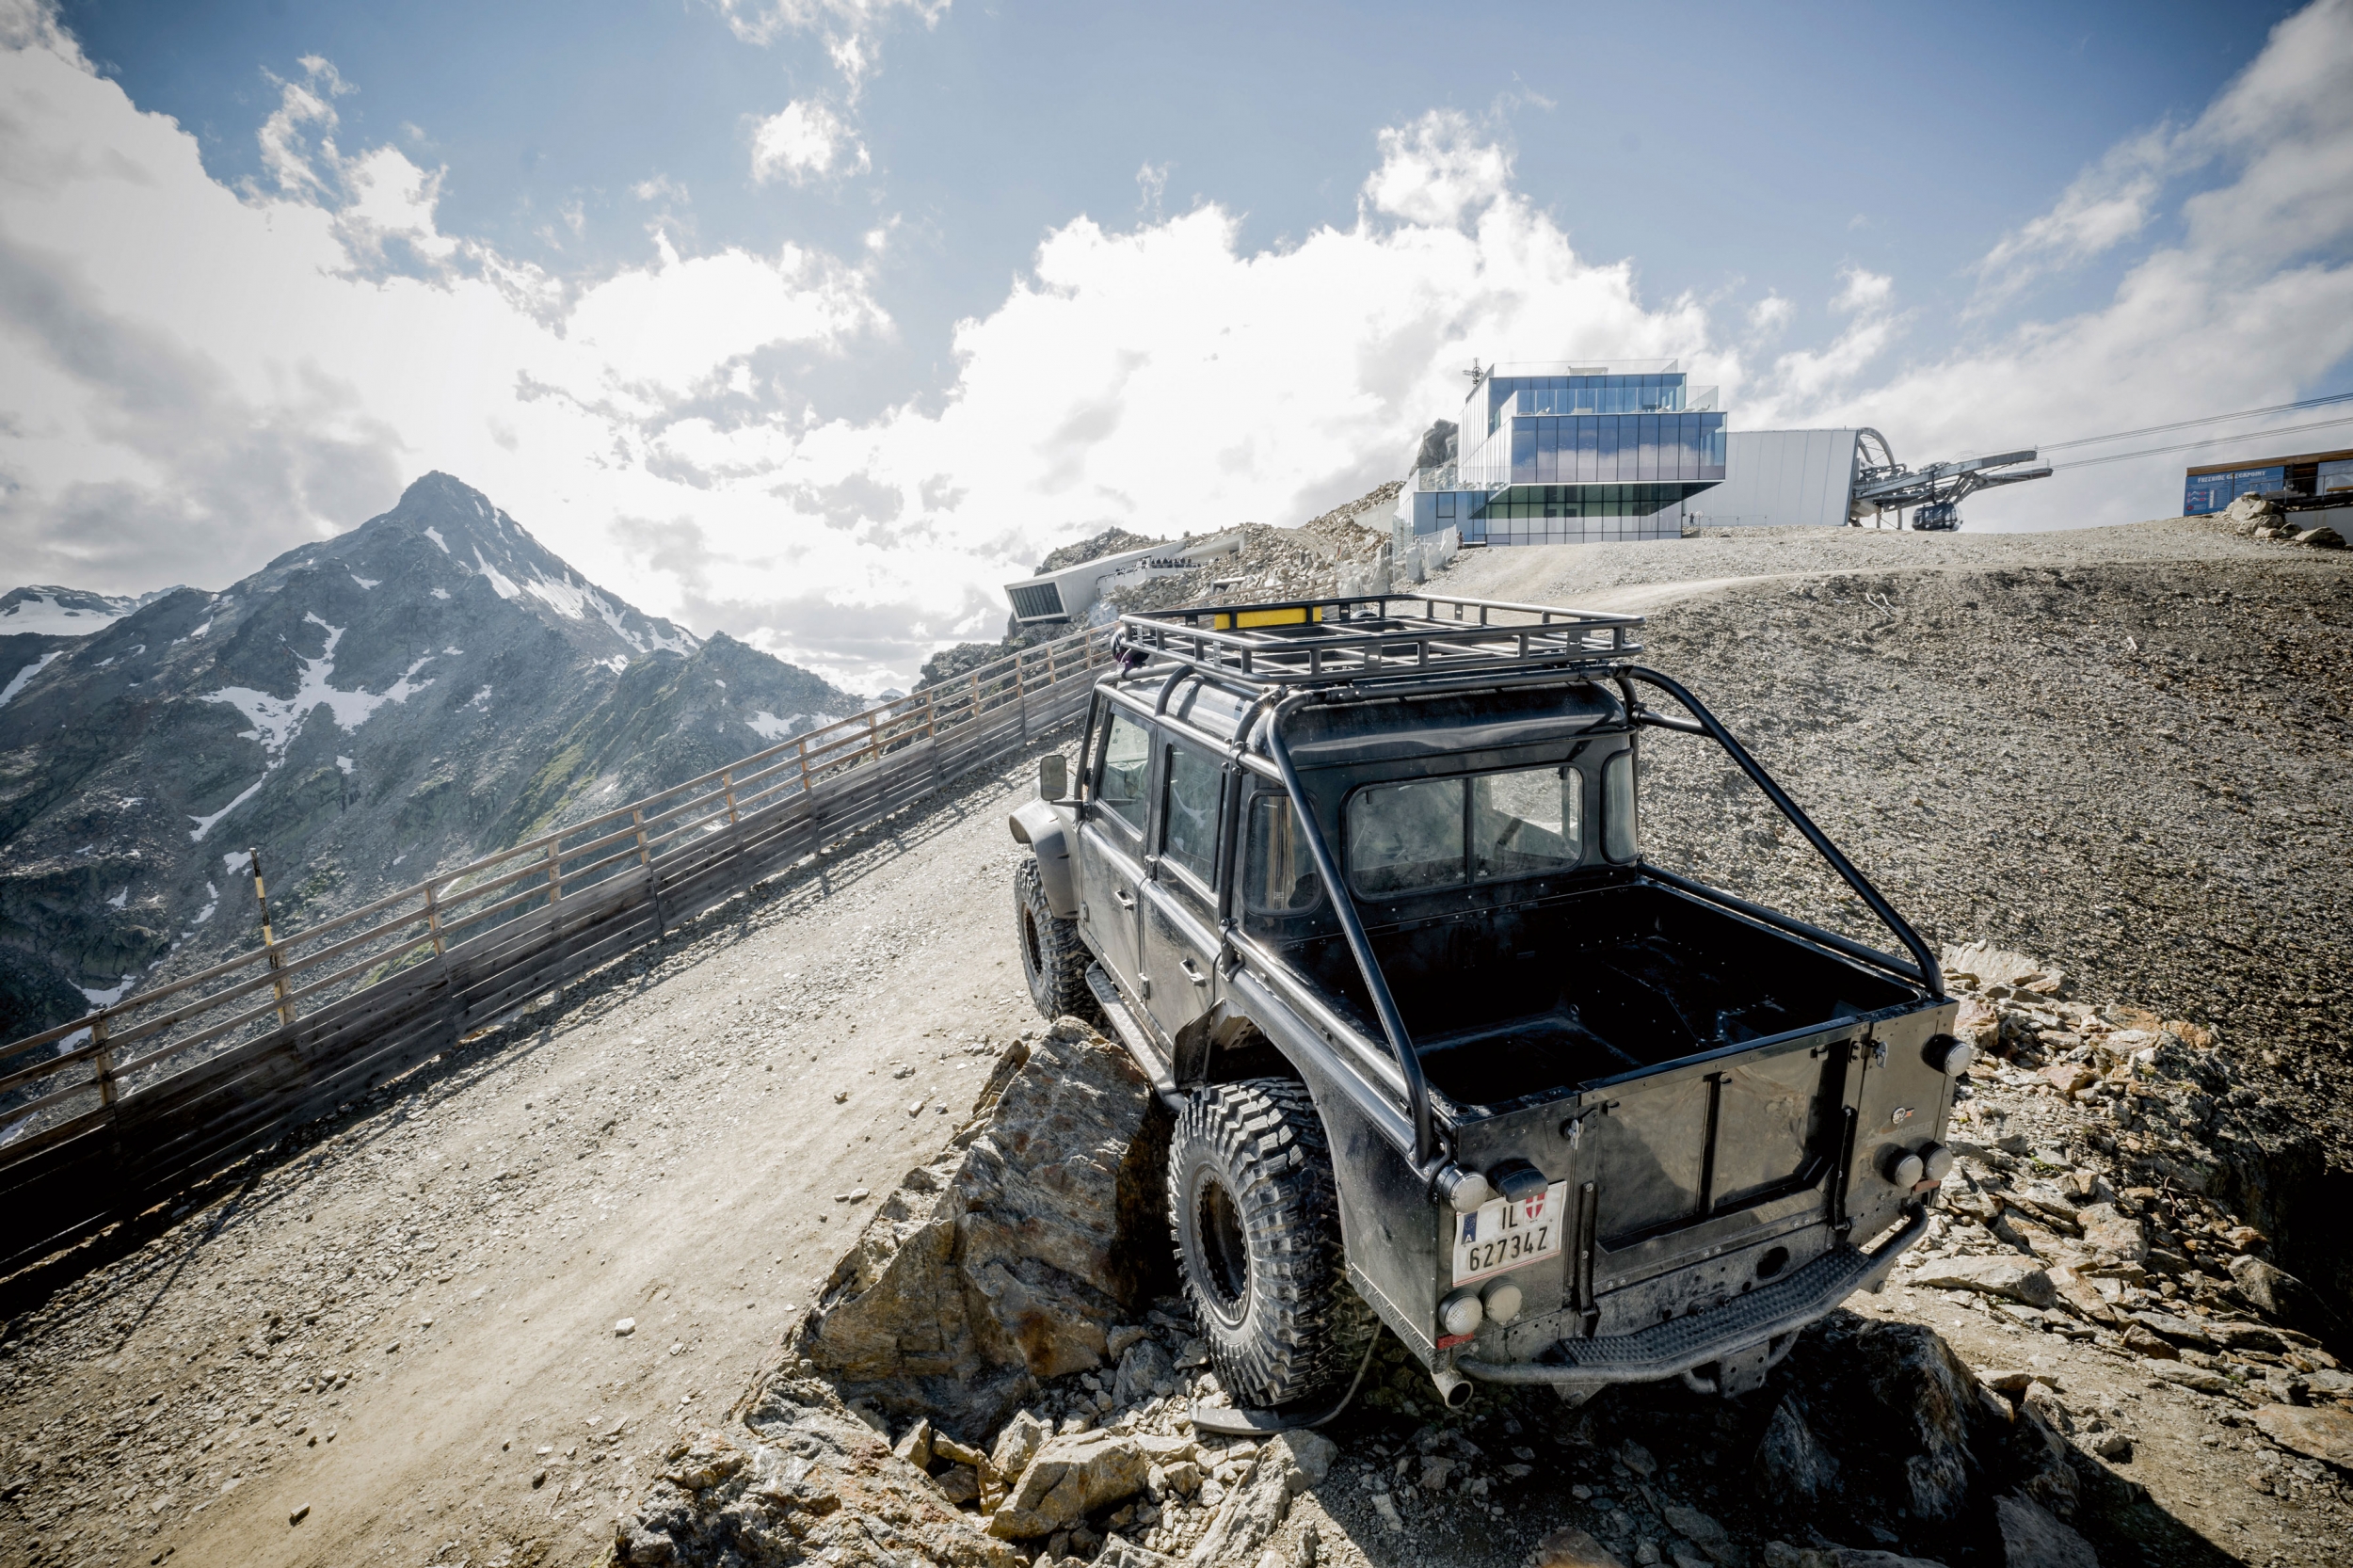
[2209, 440]
[2209, 419]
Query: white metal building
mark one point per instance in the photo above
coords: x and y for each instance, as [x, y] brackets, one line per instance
[1780, 479]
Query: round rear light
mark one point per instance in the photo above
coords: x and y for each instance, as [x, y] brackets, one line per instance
[1459, 1313]
[1503, 1300]
[1937, 1162]
[1949, 1056]
[1902, 1167]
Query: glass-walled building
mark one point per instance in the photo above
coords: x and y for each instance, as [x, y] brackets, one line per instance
[2211, 487]
[1563, 454]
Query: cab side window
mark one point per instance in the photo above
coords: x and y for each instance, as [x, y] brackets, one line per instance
[1119, 784]
[1189, 825]
[1279, 875]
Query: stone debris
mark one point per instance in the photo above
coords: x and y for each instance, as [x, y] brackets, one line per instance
[1877, 1444]
[816, 1484]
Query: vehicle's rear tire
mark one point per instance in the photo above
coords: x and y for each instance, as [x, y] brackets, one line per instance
[1053, 960]
[1256, 1213]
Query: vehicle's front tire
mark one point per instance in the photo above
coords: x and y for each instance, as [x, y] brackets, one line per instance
[1256, 1213]
[1053, 960]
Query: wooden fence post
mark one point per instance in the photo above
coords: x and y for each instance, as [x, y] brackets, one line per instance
[802, 740]
[727, 787]
[104, 1062]
[433, 921]
[555, 875]
[269, 943]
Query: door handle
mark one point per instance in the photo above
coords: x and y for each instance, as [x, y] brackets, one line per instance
[1193, 971]
[1123, 898]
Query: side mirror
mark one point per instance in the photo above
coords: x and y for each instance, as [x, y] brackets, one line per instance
[1053, 777]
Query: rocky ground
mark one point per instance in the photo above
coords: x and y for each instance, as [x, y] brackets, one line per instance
[2090, 1359]
[2118, 748]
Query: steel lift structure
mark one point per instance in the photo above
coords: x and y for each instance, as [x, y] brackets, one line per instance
[1933, 494]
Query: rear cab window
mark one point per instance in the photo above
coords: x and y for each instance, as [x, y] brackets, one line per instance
[1278, 875]
[1430, 833]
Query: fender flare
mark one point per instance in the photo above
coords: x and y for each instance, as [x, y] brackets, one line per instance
[1045, 826]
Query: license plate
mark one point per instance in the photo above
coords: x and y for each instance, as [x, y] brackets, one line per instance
[1504, 1236]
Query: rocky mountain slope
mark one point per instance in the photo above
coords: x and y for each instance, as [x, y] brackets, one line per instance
[416, 692]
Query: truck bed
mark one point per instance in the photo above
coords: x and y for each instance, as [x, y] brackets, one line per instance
[1533, 1000]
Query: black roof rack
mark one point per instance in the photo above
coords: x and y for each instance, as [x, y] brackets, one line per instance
[1380, 640]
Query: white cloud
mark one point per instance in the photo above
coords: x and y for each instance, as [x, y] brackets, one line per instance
[848, 27]
[1437, 170]
[2106, 206]
[804, 141]
[192, 377]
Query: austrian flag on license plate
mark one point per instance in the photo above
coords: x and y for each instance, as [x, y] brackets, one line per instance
[1504, 1234]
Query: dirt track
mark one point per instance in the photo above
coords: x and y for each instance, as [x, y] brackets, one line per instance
[403, 1323]
[2123, 749]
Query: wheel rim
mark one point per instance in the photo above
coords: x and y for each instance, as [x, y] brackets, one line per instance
[1224, 1253]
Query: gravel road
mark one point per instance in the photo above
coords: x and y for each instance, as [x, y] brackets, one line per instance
[2122, 748]
[408, 1326]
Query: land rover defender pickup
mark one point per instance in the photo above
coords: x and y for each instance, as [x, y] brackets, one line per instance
[1360, 884]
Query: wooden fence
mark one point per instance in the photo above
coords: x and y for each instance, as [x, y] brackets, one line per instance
[100, 1118]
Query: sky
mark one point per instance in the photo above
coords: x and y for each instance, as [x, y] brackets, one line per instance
[815, 321]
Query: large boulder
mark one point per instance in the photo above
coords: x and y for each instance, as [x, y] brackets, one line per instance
[1003, 1263]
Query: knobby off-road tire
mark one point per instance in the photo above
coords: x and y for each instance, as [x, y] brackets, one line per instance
[1053, 960]
[1257, 1218]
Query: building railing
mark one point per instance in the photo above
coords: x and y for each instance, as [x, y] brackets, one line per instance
[166, 1085]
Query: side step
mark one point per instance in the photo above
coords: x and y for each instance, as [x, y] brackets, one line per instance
[1133, 1035]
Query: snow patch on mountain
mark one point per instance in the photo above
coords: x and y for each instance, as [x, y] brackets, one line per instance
[24, 675]
[276, 721]
[500, 583]
[770, 728]
[204, 825]
[435, 534]
[45, 612]
[367, 582]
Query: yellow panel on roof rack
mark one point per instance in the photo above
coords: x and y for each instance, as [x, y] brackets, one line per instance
[1293, 615]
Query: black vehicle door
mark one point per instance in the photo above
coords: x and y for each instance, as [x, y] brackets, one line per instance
[1111, 842]
[1180, 939]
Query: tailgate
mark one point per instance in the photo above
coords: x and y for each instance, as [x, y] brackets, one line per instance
[1688, 1143]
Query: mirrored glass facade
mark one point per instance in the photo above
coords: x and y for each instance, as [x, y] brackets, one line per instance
[1578, 454]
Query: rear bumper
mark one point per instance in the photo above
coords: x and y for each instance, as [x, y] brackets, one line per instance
[1686, 1344]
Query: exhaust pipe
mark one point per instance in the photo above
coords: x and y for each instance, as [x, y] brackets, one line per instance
[1454, 1389]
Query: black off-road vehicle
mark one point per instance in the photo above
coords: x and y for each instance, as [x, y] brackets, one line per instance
[1360, 884]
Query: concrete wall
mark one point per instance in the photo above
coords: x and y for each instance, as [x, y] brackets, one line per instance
[1780, 478]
